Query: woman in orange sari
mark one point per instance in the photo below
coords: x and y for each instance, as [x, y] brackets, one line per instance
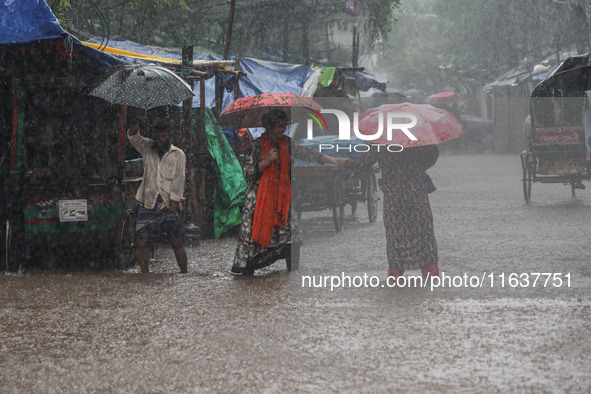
[266, 233]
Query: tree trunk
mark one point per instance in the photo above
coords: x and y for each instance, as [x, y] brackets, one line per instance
[305, 41]
[285, 48]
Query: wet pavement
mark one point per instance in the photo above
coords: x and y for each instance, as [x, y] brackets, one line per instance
[491, 330]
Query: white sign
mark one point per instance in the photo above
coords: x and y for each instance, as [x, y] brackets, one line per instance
[73, 210]
[391, 125]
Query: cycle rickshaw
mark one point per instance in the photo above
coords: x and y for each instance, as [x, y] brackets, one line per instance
[557, 151]
[321, 187]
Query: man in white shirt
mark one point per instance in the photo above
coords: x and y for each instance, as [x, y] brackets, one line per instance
[161, 190]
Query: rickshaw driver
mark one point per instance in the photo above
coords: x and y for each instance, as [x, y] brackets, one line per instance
[161, 190]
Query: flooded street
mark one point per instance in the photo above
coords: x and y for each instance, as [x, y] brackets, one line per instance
[491, 330]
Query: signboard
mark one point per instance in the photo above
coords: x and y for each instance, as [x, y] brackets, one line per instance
[73, 210]
[570, 138]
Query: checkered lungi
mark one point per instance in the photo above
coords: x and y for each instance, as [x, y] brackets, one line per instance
[153, 223]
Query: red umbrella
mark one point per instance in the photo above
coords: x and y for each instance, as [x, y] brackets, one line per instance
[247, 111]
[443, 97]
[433, 125]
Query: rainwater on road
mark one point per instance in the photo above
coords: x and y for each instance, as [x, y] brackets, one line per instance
[490, 329]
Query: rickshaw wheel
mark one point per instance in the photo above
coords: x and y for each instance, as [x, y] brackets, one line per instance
[372, 199]
[126, 241]
[338, 206]
[527, 185]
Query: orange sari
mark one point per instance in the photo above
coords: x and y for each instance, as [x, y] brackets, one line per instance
[274, 193]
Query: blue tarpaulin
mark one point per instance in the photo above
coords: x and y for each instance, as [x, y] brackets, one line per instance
[261, 76]
[31, 22]
[27, 22]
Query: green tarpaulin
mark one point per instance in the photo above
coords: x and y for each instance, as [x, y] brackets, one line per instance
[327, 75]
[230, 184]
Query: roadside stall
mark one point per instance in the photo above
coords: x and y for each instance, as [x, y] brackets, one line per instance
[68, 176]
[63, 199]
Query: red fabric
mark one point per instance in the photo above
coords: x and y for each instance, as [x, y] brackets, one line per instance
[274, 193]
[245, 139]
[431, 270]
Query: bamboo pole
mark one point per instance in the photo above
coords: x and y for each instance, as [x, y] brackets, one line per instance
[186, 136]
[229, 31]
[188, 140]
[202, 189]
[200, 64]
[236, 96]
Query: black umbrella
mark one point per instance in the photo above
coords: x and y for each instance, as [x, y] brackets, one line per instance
[573, 74]
[143, 86]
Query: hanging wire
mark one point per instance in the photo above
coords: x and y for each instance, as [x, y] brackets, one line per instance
[104, 25]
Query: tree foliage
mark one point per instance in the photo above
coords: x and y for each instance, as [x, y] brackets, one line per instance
[293, 31]
[459, 42]
[433, 43]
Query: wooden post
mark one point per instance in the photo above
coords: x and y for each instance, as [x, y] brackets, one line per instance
[201, 139]
[219, 93]
[186, 142]
[306, 41]
[17, 138]
[229, 32]
[121, 146]
[203, 192]
[236, 96]
[355, 55]
[237, 84]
